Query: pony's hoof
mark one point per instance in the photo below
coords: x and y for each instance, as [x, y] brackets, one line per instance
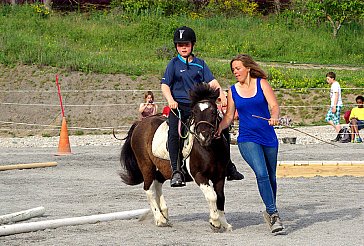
[221, 229]
[165, 223]
[229, 228]
[215, 229]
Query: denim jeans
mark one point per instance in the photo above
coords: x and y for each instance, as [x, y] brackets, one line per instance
[263, 161]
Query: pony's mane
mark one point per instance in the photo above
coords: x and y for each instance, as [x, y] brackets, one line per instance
[203, 91]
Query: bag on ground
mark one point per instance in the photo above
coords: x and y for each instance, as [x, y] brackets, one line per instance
[344, 135]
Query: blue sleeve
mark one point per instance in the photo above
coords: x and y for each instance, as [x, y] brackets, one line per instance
[208, 76]
[168, 74]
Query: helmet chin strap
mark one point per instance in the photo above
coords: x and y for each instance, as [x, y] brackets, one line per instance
[186, 58]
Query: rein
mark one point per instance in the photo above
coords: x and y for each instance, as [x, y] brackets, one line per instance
[180, 123]
[191, 121]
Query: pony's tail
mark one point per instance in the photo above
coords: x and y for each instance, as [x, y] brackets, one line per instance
[131, 174]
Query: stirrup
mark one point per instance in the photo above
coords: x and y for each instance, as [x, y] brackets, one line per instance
[177, 179]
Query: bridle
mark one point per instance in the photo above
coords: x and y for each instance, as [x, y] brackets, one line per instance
[214, 126]
[191, 122]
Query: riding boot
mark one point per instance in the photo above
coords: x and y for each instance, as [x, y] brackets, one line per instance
[232, 173]
[178, 179]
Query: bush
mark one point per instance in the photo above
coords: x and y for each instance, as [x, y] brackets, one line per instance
[160, 7]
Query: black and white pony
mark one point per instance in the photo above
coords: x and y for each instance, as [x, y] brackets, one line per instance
[205, 164]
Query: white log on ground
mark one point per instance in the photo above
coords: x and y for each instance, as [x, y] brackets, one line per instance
[28, 165]
[22, 215]
[49, 224]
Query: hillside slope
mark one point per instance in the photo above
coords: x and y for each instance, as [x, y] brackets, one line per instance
[96, 103]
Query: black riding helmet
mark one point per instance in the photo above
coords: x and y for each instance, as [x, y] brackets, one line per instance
[184, 35]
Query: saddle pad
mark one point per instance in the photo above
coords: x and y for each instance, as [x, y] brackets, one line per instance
[159, 143]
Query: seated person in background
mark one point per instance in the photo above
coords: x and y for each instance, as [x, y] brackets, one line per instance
[357, 120]
[347, 116]
[148, 108]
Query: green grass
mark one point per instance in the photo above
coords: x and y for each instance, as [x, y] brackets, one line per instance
[113, 42]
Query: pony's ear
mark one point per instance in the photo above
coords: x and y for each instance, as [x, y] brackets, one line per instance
[215, 95]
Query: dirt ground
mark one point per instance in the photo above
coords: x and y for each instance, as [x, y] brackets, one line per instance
[315, 211]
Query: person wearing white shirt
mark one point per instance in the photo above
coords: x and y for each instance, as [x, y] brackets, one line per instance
[333, 114]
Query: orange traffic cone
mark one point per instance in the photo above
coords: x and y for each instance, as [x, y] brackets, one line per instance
[64, 147]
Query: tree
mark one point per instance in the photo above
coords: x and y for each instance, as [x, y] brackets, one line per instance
[337, 12]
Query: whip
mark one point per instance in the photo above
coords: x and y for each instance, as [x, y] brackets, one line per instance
[260, 117]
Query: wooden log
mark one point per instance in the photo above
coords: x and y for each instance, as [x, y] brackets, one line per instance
[48, 224]
[22, 215]
[29, 165]
[320, 170]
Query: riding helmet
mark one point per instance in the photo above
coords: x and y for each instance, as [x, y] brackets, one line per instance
[184, 35]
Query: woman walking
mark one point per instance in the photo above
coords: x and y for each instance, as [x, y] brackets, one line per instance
[257, 141]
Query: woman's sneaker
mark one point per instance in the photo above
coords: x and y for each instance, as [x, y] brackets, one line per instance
[273, 221]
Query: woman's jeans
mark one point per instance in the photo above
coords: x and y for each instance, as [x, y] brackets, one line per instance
[263, 161]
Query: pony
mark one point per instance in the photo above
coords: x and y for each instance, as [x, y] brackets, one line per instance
[206, 162]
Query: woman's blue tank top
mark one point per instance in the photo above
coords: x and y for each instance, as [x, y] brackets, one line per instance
[253, 129]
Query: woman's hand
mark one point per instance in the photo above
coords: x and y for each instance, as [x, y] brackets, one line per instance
[218, 132]
[273, 121]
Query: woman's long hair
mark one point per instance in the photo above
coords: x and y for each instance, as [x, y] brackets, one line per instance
[248, 62]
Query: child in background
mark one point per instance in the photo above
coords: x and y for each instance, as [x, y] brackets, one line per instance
[333, 114]
[148, 108]
[357, 120]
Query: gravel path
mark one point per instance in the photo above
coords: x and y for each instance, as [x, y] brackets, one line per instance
[323, 132]
[316, 211]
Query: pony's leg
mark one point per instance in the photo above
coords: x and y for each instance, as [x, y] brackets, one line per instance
[160, 199]
[223, 221]
[220, 202]
[211, 199]
[159, 218]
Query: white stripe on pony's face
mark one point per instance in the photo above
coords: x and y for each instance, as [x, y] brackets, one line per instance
[201, 137]
[203, 106]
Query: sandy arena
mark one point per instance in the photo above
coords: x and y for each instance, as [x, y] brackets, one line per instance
[316, 211]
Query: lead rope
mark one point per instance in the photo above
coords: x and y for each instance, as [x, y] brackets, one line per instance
[260, 117]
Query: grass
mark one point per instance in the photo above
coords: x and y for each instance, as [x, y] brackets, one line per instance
[112, 42]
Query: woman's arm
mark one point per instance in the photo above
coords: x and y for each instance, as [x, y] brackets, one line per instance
[229, 115]
[142, 107]
[272, 102]
[155, 109]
